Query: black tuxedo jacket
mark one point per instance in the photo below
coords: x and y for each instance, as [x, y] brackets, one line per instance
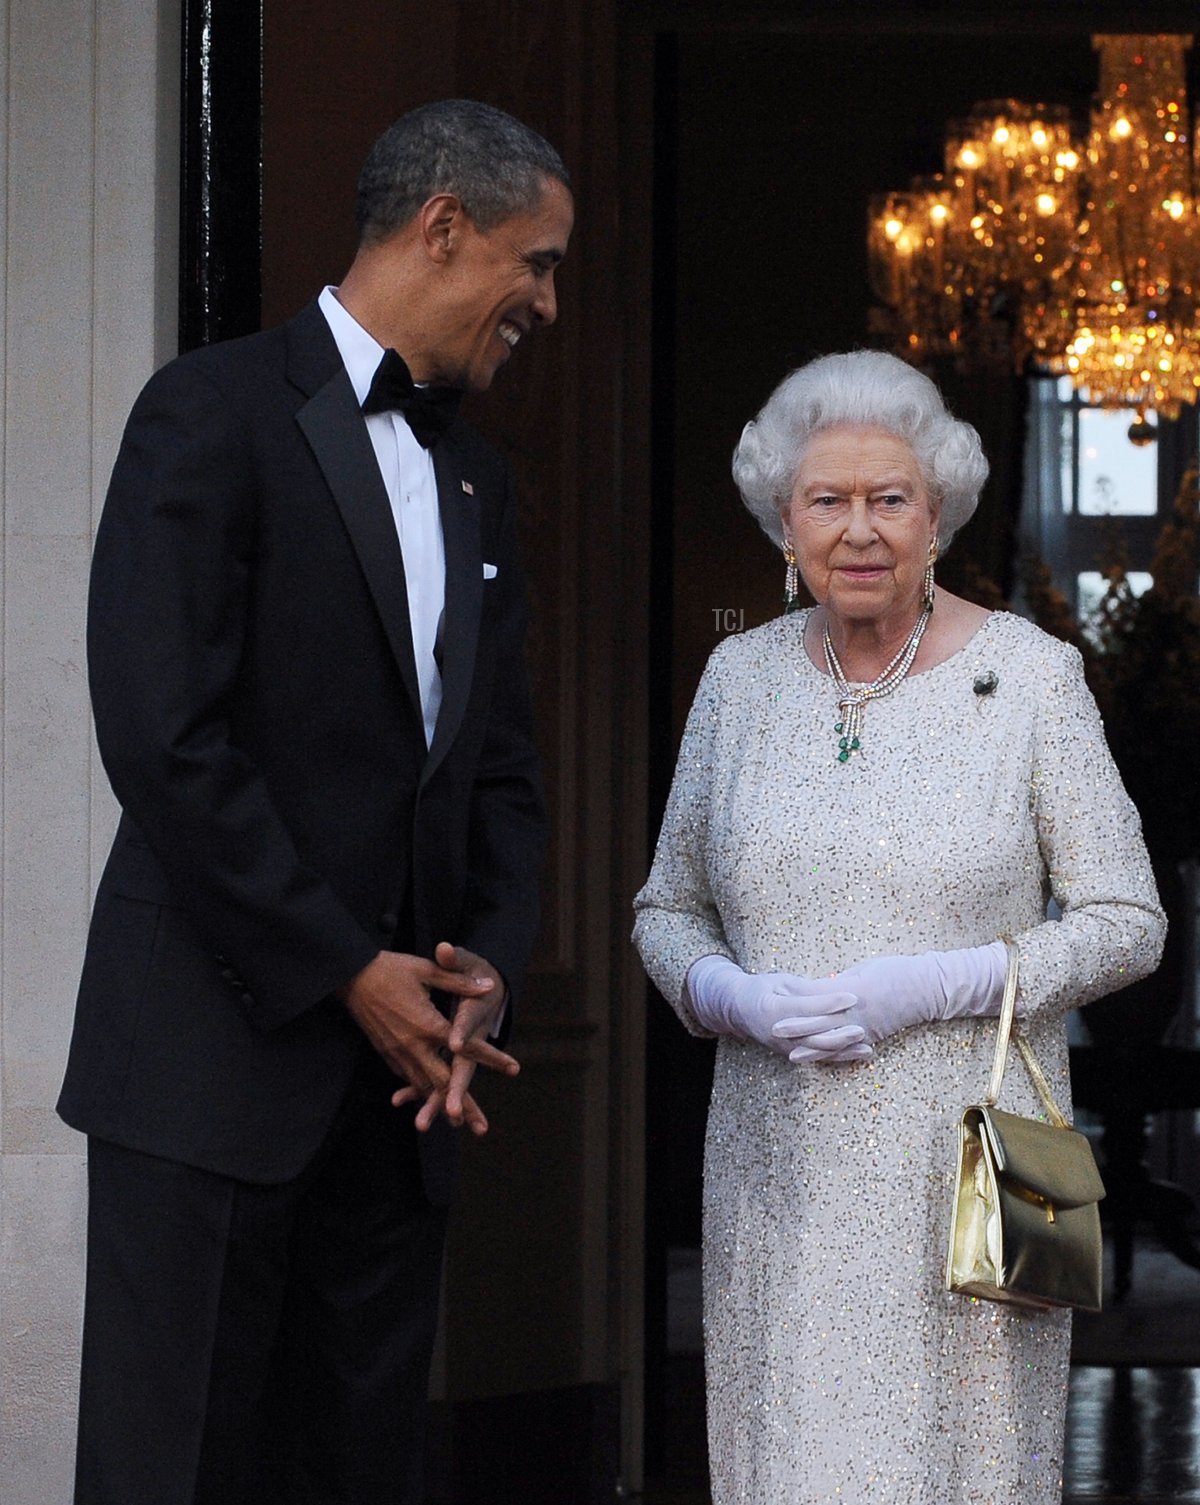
[257, 711]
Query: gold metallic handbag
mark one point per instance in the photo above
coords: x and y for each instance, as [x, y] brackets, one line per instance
[1025, 1226]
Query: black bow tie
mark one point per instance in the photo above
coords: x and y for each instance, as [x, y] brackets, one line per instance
[427, 410]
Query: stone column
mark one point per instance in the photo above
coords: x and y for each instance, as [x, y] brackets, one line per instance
[88, 213]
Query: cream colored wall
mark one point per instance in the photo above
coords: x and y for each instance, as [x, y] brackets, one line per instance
[88, 236]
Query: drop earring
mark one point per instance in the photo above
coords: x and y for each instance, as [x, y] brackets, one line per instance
[791, 581]
[927, 581]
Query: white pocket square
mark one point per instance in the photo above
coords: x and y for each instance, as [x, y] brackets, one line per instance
[489, 571]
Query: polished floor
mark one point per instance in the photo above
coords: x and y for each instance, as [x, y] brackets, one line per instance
[1133, 1419]
[1133, 1434]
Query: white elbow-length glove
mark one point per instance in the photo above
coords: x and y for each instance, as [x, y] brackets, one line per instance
[793, 1016]
[892, 993]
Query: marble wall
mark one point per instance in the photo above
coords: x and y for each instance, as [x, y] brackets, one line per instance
[88, 237]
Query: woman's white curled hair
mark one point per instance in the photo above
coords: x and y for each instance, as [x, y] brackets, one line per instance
[869, 389]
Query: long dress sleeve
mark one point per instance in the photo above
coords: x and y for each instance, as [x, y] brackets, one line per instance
[1098, 873]
[677, 918]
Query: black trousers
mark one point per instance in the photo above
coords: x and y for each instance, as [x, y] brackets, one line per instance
[256, 1345]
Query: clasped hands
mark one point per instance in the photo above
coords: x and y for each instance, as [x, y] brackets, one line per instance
[843, 1017]
[390, 1001]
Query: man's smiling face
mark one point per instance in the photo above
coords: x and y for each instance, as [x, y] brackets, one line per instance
[499, 284]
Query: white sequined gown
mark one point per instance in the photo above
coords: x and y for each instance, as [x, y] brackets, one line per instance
[839, 1369]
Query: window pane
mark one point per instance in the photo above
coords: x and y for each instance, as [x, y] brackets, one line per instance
[1091, 587]
[1116, 478]
[1066, 451]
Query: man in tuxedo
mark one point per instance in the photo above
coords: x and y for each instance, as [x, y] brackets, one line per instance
[305, 644]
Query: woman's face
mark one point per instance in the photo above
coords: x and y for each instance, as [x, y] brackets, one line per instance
[861, 523]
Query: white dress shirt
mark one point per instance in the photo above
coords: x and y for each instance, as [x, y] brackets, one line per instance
[408, 475]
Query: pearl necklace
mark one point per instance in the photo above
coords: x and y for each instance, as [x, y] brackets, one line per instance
[851, 701]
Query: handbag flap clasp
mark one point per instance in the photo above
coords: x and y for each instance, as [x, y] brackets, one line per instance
[1055, 1164]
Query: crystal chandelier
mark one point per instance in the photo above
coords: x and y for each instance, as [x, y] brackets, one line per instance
[1075, 257]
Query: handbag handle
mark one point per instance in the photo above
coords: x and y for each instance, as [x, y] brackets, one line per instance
[1008, 1007]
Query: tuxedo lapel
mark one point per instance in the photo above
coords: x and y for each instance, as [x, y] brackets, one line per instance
[333, 425]
[464, 597]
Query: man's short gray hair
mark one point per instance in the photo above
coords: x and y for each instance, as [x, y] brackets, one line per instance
[868, 389]
[495, 165]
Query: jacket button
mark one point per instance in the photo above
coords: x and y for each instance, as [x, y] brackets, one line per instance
[388, 922]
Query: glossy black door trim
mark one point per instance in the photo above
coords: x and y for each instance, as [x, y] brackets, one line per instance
[220, 261]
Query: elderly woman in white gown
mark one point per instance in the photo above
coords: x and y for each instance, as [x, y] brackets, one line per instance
[869, 795]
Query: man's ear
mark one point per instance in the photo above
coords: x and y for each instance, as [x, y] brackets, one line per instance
[441, 222]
